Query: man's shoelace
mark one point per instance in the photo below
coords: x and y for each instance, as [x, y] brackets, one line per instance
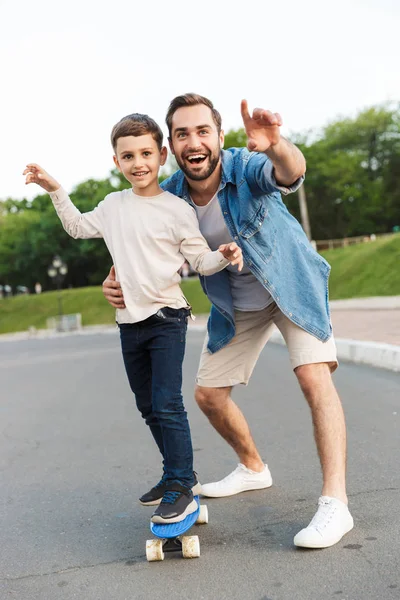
[231, 475]
[170, 497]
[324, 514]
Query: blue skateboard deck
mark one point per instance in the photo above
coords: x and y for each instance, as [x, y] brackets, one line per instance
[169, 531]
[170, 538]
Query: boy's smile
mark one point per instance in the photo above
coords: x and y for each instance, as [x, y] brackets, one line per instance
[139, 160]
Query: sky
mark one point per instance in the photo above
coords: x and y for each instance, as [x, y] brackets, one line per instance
[70, 70]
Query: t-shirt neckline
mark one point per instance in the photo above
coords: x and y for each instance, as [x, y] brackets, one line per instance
[146, 197]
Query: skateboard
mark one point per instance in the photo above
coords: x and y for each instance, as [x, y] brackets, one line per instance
[170, 536]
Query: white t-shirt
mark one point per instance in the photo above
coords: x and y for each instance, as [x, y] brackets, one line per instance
[148, 239]
[247, 292]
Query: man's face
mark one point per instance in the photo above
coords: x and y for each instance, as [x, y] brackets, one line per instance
[195, 141]
[139, 160]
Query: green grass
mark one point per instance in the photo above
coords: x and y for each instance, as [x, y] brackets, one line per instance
[366, 269]
[369, 269]
[21, 312]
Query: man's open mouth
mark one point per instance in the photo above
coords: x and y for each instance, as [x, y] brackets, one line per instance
[196, 159]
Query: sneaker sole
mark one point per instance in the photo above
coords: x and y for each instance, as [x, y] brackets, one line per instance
[196, 489]
[222, 494]
[151, 503]
[189, 510]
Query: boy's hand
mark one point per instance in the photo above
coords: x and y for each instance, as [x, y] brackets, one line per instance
[233, 253]
[35, 174]
[262, 128]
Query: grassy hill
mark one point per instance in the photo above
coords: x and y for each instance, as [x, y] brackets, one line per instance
[21, 312]
[370, 269]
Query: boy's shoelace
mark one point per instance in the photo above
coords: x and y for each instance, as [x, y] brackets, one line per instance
[170, 497]
[159, 484]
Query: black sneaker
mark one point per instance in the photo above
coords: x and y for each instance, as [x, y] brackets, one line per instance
[153, 497]
[176, 504]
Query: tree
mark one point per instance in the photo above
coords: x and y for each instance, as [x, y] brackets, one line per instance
[352, 179]
[235, 139]
[352, 185]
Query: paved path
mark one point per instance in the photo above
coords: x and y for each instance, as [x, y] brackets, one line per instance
[365, 319]
[368, 319]
[75, 456]
[364, 325]
[367, 325]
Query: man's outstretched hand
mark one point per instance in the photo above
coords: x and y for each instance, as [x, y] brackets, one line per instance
[262, 128]
[112, 290]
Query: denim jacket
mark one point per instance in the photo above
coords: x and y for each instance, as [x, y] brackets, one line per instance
[274, 245]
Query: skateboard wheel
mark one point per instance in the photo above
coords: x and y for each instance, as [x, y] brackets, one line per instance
[190, 546]
[154, 550]
[203, 515]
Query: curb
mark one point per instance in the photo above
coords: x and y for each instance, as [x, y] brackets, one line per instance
[383, 356]
[370, 303]
[374, 354]
[46, 334]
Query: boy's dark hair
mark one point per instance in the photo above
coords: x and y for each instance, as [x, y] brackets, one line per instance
[191, 100]
[136, 124]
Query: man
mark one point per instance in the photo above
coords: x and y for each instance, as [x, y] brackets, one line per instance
[236, 194]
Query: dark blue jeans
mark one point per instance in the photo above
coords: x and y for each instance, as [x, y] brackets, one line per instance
[153, 352]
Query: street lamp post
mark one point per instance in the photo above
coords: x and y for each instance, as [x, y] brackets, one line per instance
[305, 221]
[57, 272]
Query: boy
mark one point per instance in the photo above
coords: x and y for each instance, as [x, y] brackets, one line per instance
[149, 234]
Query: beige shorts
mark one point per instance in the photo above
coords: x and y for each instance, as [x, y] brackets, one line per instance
[235, 362]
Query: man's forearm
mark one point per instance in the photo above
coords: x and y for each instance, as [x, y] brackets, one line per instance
[289, 163]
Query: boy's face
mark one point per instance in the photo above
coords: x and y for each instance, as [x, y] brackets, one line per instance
[139, 160]
[195, 141]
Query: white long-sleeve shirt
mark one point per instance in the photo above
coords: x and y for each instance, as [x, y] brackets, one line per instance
[148, 239]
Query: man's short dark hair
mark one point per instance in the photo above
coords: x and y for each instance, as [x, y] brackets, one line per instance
[191, 100]
[136, 124]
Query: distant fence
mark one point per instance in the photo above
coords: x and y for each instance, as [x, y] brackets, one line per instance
[350, 241]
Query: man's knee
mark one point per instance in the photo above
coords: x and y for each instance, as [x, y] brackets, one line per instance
[312, 377]
[211, 400]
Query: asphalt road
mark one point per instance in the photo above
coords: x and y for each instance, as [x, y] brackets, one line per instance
[75, 456]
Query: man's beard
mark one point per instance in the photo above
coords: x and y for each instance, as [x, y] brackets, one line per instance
[212, 165]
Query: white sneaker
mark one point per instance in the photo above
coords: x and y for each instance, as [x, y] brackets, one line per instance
[241, 479]
[329, 524]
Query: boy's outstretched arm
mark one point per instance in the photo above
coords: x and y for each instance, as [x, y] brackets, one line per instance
[198, 253]
[75, 223]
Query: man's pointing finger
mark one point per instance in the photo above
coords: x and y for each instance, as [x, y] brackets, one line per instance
[244, 109]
